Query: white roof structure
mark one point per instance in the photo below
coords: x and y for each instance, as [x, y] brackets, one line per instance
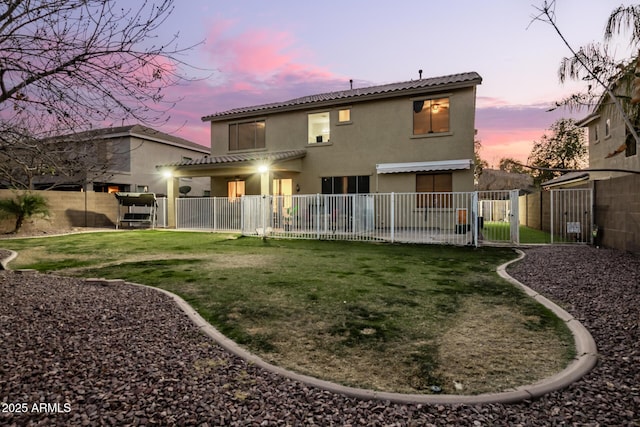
[424, 166]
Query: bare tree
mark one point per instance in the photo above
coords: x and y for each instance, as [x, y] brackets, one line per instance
[51, 163]
[69, 65]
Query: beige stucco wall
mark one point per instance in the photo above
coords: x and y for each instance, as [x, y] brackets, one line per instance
[617, 212]
[144, 156]
[380, 131]
[68, 210]
[535, 210]
[604, 145]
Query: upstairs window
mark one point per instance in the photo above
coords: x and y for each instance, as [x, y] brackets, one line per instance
[430, 116]
[247, 136]
[318, 128]
[631, 148]
[344, 115]
[607, 128]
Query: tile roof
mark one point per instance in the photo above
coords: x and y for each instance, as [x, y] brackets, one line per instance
[139, 131]
[387, 90]
[274, 156]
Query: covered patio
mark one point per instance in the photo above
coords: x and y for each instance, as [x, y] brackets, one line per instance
[235, 175]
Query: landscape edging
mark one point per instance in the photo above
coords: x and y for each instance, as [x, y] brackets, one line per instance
[586, 358]
[586, 355]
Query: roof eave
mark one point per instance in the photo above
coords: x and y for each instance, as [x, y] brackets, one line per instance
[587, 120]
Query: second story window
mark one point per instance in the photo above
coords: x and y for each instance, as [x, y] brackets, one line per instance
[247, 136]
[318, 128]
[344, 115]
[607, 128]
[631, 148]
[430, 116]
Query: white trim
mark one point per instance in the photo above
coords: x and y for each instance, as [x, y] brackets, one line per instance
[423, 166]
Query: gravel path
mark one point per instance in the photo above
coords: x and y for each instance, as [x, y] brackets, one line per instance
[86, 354]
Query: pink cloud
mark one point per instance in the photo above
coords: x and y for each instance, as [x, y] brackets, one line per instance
[250, 68]
[260, 60]
[255, 67]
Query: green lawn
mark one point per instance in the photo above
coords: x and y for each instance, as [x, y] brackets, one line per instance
[500, 231]
[390, 317]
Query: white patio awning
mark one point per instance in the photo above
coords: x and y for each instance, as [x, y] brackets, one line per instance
[442, 165]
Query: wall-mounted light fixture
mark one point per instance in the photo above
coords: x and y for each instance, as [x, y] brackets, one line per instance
[263, 168]
[297, 188]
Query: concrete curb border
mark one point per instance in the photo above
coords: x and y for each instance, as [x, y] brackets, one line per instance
[4, 263]
[586, 356]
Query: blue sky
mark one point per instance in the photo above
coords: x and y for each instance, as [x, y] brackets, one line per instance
[259, 52]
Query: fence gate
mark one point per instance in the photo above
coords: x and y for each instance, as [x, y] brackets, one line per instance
[571, 216]
[498, 216]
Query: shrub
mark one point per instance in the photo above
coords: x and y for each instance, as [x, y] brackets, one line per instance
[24, 206]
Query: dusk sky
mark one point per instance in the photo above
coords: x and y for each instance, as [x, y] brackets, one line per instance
[259, 52]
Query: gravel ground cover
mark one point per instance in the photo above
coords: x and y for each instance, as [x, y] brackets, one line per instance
[75, 353]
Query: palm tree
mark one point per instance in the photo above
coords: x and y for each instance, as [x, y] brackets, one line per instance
[24, 206]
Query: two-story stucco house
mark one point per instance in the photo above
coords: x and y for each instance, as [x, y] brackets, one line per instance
[611, 145]
[414, 136]
[124, 159]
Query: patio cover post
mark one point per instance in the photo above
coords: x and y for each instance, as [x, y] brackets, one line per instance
[173, 185]
[265, 187]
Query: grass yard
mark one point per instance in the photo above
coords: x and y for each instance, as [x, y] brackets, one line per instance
[500, 231]
[387, 317]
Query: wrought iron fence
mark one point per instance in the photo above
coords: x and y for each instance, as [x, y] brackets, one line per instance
[468, 218]
[210, 213]
[571, 216]
[439, 218]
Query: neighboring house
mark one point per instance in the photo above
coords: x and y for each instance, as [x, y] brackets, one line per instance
[414, 136]
[497, 180]
[611, 145]
[128, 156]
[612, 148]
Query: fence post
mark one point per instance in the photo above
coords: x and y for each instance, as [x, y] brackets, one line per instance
[214, 214]
[393, 209]
[591, 214]
[318, 216]
[242, 207]
[552, 213]
[175, 212]
[474, 217]
[264, 216]
[515, 216]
